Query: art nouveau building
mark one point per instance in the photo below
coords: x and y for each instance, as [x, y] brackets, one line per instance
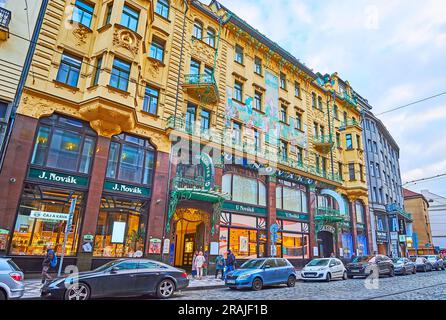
[178, 127]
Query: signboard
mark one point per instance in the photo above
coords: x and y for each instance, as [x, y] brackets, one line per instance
[243, 208]
[394, 235]
[49, 215]
[208, 170]
[402, 238]
[166, 246]
[243, 244]
[409, 242]
[214, 248]
[61, 178]
[118, 232]
[126, 188]
[290, 215]
[4, 234]
[4, 231]
[155, 246]
[315, 251]
[328, 228]
[381, 235]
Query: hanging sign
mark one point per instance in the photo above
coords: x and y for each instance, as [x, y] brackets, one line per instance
[61, 178]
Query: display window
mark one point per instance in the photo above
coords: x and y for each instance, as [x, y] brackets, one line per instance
[121, 227]
[291, 197]
[42, 219]
[244, 190]
[245, 235]
[361, 240]
[293, 241]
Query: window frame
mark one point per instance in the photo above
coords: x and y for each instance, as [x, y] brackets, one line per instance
[120, 70]
[132, 15]
[239, 54]
[148, 97]
[157, 46]
[164, 5]
[71, 67]
[83, 11]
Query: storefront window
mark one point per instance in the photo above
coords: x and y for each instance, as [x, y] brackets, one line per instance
[245, 190]
[245, 235]
[64, 143]
[291, 198]
[33, 232]
[131, 159]
[293, 242]
[347, 245]
[121, 227]
[361, 240]
[359, 212]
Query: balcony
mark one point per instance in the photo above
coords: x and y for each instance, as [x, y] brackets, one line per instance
[350, 100]
[349, 123]
[324, 143]
[202, 87]
[325, 214]
[5, 19]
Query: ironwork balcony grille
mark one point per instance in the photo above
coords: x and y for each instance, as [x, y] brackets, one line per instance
[199, 79]
[5, 18]
[328, 214]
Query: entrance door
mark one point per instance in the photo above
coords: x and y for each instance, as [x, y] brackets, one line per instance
[199, 237]
[326, 245]
[189, 249]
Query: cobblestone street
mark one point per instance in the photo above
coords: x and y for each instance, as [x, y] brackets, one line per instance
[421, 286]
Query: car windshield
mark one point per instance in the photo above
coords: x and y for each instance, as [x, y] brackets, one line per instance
[253, 264]
[398, 260]
[431, 258]
[107, 266]
[318, 263]
[364, 259]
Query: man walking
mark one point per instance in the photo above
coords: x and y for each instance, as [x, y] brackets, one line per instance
[49, 261]
[230, 261]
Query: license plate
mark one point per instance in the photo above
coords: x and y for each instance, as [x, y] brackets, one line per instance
[355, 271]
[230, 281]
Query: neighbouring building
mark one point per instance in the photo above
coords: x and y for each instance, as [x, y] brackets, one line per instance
[437, 217]
[18, 19]
[389, 222]
[178, 127]
[418, 205]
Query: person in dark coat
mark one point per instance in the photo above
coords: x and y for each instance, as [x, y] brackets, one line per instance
[220, 264]
[230, 261]
[46, 264]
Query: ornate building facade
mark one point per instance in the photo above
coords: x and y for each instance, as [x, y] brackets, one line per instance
[178, 127]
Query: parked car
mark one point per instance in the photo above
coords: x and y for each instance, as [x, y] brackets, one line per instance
[365, 265]
[437, 263]
[422, 264]
[404, 266]
[119, 278]
[257, 273]
[11, 280]
[324, 269]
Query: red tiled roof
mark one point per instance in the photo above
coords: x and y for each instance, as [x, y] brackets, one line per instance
[408, 193]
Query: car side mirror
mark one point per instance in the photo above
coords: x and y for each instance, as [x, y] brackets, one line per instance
[114, 270]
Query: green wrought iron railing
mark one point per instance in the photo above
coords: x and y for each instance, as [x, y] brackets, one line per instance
[189, 183]
[328, 214]
[199, 79]
[323, 139]
[350, 99]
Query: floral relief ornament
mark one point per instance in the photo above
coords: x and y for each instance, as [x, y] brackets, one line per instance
[126, 39]
[80, 33]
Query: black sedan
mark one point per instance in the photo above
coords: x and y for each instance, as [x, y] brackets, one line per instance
[366, 265]
[404, 266]
[422, 264]
[119, 278]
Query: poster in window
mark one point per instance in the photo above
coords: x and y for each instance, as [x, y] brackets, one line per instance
[155, 246]
[118, 232]
[243, 241]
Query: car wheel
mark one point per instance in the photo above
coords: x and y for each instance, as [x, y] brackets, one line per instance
[350, 277]
[165, 289]
[328, 277]
[257, 284]
[2, 295]
[344, 276]
[414, 271]
[404, 272]
[391, 272]
[291, 281]
[78, 291]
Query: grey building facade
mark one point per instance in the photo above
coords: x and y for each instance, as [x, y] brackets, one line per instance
[389, 222]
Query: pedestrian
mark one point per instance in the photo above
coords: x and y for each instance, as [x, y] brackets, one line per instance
[220, 265]
[332, 255]
[230, 261]
[200, 261]
[194, 265]
[50, 260]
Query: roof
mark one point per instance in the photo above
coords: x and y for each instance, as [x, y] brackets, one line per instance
[409, 194]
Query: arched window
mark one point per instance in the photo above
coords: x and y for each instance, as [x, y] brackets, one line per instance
[244, 190]
[359, 208]
[64, 143]
[210, 37]
[198, 30]
[131, 159]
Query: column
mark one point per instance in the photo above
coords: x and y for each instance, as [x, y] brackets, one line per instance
[312, 206]
[368, 229]
[14, 169]
[93, 203]
[271, 203]
[352, 209]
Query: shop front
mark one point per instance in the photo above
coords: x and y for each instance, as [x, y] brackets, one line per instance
[58, 172]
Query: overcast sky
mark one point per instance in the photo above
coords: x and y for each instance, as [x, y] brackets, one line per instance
[391, 52]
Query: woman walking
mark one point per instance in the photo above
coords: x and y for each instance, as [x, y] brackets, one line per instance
[194, 265]
[200, 261]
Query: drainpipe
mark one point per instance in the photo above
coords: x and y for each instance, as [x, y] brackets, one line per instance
[23, 77]
[177, 98]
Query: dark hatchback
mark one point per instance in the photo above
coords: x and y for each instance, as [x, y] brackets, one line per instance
[119, 278]
[365, 265]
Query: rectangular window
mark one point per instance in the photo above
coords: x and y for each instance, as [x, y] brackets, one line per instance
[198, 30]
[258, 100]
[208, 71]
[283, 114]
[298, 121]
[372, 168]
[120, 74]
[313, 100]
[97, 71]
[361, 172]
[349, 142]
[257, 142]
[282, 81]
[83, 13]
[150, 104]
[283, 150]
[238, 91]
[69, 70]
[319, 100]
[108, 13]
[340, 171]
[297, 89]
[351, 171]
[258, 65]
[190, 117]
[162, 8]
[324, 166]
[205, 120]
[300, 158]
[130, 18]
[194, 67]
[210, 37]
[157, 50]
[318, 163]
[358, 141]
[378, 170]
[239, 54]
[237, 133]
[338, 140]
[316, 129]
